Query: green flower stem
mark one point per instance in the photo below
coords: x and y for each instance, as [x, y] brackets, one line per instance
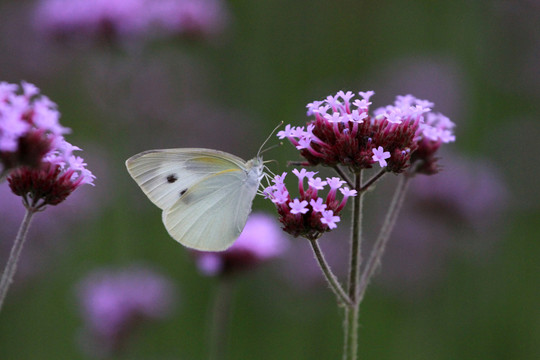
[221, 313]
[384, 235]
[343, 175]
[11, 267]
[351, 313]
[356, 238]
[372, 180]
[343, 298]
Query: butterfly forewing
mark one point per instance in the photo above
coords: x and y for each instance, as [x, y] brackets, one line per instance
[164, 175]
[205, 195]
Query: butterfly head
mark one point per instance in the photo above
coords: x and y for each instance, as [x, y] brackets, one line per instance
[255, 168]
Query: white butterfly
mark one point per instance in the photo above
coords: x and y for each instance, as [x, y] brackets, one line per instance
[205, 195]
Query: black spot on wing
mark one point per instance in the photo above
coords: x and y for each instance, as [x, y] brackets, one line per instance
[171, 178]
[186, 198]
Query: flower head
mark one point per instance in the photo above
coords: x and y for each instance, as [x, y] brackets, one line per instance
[112, 20]
[113, 301]
[58, 175]
[29, 125]
[260, 241]
[343, 132]
[309, 215]
[437, 130]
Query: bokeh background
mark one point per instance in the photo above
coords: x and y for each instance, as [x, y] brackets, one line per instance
[460, 279]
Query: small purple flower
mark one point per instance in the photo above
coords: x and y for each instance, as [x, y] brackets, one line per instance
[260, 241]
[113, 301]
[380, 155]
[298, 207]
[334, 183]
[317, 205]
[366, 95]
[329, 219]
[316, 183]
[287, 133]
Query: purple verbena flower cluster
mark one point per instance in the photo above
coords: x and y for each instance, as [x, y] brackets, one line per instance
[29, 125]
[121, 19]
[344, 132]
[58, 175]
[40, 162]
[308, 215]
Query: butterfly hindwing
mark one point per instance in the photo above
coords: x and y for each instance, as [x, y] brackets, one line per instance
[212, 214]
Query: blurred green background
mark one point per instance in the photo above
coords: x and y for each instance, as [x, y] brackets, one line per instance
[477, 60]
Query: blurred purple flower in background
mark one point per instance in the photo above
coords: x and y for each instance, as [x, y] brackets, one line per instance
[456, 213]
[114, 301]
[472, 192]
[261, 240]
[113, 20]
[439, 78]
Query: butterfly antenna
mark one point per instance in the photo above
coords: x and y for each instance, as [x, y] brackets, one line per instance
[268, 138]
[271, 147]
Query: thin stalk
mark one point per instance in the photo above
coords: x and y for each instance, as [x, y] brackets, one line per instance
[356, 238]
[11, 266]
[384, 235]
[343, 175]
[372, 180]
[351, 313]
[351, 333]
[329, 275]
[221, 313]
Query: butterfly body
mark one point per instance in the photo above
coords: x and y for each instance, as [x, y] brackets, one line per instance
[205, 194]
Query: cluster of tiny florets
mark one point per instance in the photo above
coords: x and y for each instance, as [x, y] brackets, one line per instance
[57, 176]
[308, 215]
[29, 125]
[33, 152]
[437, 130]
[343, 132]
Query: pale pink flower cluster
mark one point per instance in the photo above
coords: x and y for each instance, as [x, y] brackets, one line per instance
[309, 214]
[344, 132]
[23, 109]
